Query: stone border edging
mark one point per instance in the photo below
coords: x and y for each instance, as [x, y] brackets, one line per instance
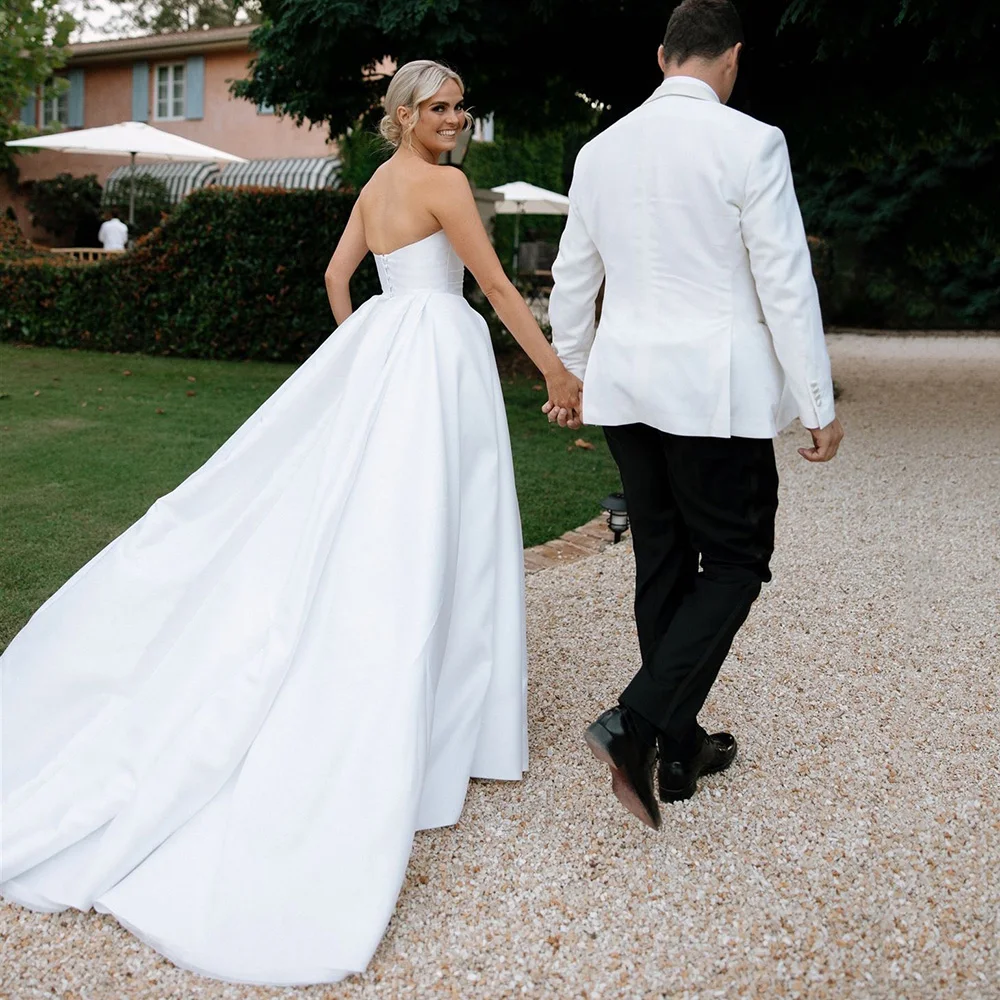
[587, 540]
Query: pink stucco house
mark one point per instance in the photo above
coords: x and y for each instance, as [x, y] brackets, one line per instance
[179, 83]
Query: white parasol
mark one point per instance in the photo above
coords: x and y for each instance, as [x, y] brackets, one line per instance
[521, 198]
[133, 139]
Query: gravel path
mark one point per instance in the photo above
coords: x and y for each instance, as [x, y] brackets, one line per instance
[852, 851]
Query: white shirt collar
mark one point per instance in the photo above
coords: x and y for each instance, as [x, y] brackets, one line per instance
[685, 86]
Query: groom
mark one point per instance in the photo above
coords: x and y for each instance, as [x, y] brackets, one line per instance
[710, 342]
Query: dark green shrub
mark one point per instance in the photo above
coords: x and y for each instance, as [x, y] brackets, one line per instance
[362, 151]
[893, 122]
[152, 202]
[231, 274]
[13, 244]
[911, 236]
[68, 207]
[544, 158]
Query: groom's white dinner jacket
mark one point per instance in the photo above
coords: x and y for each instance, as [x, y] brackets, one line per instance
[710, 324]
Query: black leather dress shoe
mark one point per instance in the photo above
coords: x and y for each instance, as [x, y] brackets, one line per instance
[613, 741]
[678, 779]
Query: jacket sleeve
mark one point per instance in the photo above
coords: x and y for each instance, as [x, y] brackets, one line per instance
[782, 269]
[577, 275]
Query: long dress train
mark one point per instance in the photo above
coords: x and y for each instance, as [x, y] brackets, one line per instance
[226, 727]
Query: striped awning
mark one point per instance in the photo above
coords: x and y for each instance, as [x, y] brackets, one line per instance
[181, 178]
[308, 172]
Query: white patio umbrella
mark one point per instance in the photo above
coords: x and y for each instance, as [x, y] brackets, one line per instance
[521, 198]
[133, 139]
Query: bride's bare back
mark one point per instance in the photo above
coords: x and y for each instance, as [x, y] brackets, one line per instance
[408, 199]
[394, 205]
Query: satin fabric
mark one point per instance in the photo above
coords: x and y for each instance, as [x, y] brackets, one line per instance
[226, 727]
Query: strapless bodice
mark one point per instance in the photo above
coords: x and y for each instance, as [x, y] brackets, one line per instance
[429, 265]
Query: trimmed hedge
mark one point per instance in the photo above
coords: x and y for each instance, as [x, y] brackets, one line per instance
[231, 274]
[13, 244]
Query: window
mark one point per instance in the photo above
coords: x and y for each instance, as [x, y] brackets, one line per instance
[55, 110]
[170, 92]
[265, 109]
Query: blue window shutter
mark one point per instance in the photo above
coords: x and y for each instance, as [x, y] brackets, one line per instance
[194, 87]
[140, 91]
[75, 98]
[29, 113]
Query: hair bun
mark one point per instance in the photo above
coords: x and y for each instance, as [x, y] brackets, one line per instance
[391, 131]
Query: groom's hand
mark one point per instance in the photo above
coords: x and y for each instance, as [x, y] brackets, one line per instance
[826, 441]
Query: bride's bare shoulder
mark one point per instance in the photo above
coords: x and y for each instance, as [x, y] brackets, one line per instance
[445, 179]
[417, 183]
[372, 185]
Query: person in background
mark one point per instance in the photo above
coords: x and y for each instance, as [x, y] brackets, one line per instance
[113, 233]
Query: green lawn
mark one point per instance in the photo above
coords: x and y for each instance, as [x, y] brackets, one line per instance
[85, 449]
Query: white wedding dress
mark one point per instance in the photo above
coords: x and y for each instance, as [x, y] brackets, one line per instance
[226, 727]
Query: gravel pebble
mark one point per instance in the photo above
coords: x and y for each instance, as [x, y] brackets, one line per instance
[851, 852]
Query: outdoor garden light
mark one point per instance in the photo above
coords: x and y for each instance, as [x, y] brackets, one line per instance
[614, 504]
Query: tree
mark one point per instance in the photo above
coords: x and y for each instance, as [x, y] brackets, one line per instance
[531, 62]
[362, 150]
[33, 39]
[317, 58]
[895, 131]
[152, 17]
[889, 107]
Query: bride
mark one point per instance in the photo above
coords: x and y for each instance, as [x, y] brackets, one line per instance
[226, 727]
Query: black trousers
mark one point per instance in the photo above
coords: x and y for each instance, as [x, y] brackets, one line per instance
[691, 500]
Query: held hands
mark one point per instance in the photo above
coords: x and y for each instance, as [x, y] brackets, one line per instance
[565, 403]
[826, 441]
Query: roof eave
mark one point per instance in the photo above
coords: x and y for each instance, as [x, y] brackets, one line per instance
[161, 46]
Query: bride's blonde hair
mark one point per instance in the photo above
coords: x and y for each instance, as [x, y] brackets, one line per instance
[411, 85]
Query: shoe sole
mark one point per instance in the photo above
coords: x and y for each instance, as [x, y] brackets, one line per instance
[720, 768]
[620, 785]
[685, 793]
[680, 795]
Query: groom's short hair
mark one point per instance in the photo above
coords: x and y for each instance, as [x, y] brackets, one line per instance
[704, 28]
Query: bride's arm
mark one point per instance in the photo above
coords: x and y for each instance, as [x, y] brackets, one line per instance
[350, 252]
[452, 203]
